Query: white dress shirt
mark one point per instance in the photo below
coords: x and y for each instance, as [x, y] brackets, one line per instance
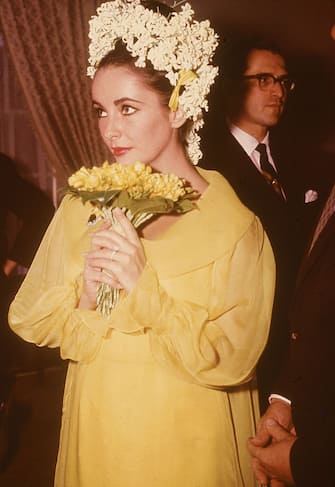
[249, 144]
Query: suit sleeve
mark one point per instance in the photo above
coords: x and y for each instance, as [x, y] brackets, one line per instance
[312, 459]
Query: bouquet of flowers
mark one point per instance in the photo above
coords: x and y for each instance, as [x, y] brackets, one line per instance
[138, 191]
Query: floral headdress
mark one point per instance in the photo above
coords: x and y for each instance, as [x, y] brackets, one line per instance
[178, 45]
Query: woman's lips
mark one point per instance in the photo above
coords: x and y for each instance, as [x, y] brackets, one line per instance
[120, 151]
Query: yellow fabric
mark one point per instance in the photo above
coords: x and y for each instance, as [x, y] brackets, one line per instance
[184, 78]
[162, 394]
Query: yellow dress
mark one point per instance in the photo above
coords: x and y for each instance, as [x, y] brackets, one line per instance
[163, 393]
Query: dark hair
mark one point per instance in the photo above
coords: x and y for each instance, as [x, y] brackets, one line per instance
[160, 7]
[235, 55]
[156, 80]
[233, 64]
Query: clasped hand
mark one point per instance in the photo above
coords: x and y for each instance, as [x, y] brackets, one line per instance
[114, 258]
[270, 448]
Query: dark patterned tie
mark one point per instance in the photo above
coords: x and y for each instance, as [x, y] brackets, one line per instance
[268, 170]
[327, 212]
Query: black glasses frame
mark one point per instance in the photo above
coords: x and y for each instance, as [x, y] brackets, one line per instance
[267, 80]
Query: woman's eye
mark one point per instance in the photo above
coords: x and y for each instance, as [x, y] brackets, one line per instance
[127, 110]
[100, 113]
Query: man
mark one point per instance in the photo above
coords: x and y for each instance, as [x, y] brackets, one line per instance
[256, 85]
[295, 440]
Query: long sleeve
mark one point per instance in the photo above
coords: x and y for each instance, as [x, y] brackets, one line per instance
[312, 459]
[216, 340]
[205, 307]
[44, 310]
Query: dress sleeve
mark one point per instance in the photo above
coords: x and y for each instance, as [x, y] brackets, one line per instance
[44, 310]
[216, 345]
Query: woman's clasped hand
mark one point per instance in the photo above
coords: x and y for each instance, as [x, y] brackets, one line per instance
[115, 258]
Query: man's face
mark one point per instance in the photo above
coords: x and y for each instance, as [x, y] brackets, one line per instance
[261, 108]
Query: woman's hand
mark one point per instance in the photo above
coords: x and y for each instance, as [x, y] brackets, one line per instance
[114, 259]
[121, 257]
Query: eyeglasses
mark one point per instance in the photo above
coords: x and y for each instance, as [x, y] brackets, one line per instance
[266, 81]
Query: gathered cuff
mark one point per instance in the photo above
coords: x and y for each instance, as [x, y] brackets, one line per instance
[141, 308]
[54, 321]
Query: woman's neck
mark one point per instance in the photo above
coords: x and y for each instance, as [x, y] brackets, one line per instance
[184, 169]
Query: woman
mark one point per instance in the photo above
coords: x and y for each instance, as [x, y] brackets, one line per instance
[162, 393]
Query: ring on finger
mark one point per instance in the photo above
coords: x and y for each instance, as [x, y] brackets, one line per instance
[114, 252]
[108, 274]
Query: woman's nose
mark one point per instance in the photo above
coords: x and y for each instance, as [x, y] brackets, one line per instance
[112, 129]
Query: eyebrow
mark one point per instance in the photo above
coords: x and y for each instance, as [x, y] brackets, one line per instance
[119, 101]
[285, 75]
[266, 73]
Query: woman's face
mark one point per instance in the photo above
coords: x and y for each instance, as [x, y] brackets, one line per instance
[133, 122]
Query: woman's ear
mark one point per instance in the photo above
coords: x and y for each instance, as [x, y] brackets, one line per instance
[177, 118]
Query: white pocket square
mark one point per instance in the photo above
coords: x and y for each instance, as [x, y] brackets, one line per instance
[311, 195]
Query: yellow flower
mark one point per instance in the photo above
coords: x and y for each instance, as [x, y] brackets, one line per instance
[137, 179]
[138, 191]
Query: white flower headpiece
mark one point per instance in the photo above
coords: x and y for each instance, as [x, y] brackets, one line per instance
[178, 45]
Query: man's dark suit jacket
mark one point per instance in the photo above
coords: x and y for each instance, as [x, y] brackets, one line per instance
[308, 378]
[286, 224]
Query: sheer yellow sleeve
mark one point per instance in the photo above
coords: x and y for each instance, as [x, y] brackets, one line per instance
[44, 310]
[216, 336]
[208, 323]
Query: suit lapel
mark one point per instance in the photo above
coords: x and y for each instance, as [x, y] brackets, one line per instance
[250, 177]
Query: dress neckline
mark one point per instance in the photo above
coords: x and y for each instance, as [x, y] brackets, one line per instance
[185, 216]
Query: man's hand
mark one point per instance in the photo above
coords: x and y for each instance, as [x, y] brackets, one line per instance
[272, 462]
[278, 410]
